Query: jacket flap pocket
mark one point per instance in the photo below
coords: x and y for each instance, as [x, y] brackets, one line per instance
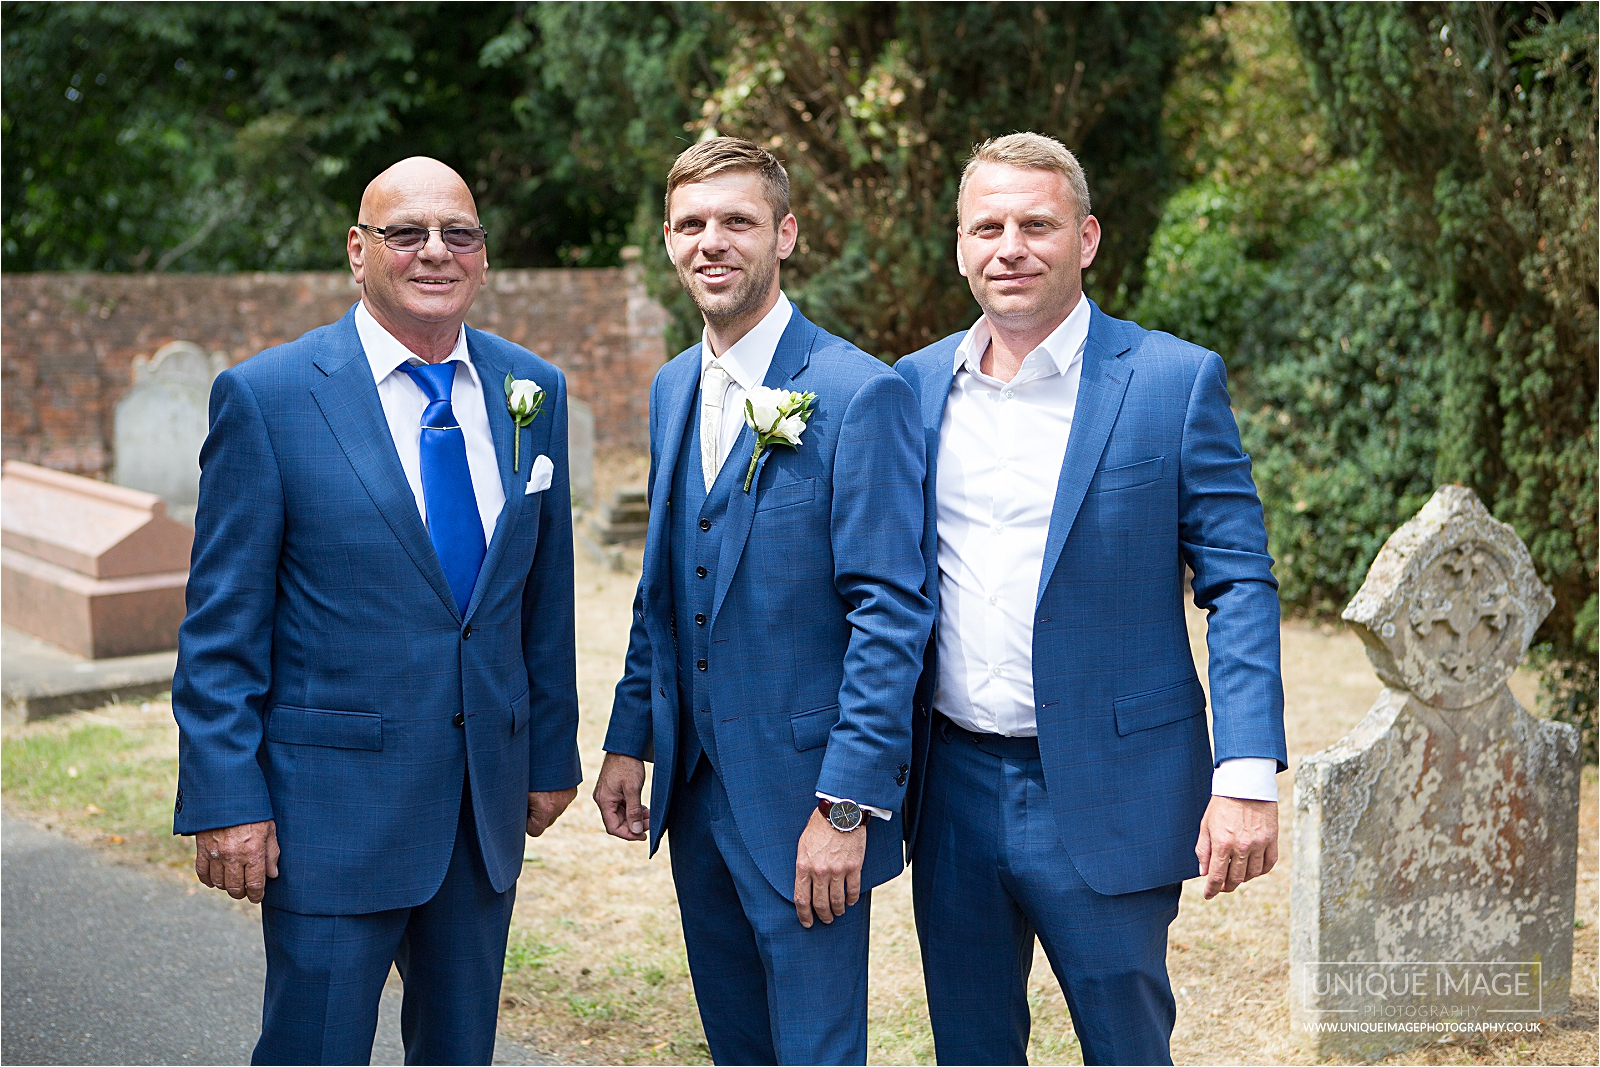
[787, 494]
[519, 712]
[331, 729]
[1134, 474]
[811, 728]
[1145, 711]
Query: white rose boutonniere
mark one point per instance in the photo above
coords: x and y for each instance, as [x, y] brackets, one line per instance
[778, 417]
[524, 400]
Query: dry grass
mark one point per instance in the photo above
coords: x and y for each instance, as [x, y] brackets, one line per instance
[596, 972]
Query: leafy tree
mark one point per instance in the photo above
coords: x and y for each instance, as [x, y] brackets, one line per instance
[196, 136]
[874, 107]
[1391, 232]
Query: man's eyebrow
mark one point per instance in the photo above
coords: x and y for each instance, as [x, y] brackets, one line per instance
[448, 218]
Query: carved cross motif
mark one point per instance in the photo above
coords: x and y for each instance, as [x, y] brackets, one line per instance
[1465, 587]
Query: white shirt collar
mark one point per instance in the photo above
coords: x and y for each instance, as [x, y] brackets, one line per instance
[385, 353]
[1063, 347]
[747, 360]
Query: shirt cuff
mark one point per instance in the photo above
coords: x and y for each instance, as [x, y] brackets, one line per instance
[1246, 778]
[879, 812]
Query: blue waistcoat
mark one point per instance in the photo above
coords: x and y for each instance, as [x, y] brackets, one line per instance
[696, 531]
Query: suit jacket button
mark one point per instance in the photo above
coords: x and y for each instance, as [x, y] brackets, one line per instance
[701, 665]
[460, 719]
[700, 572]
[699, 620]
[705, 524]
[466, 631]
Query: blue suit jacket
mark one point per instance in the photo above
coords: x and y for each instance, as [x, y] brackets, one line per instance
[818, 620]
[323, 659]
[1153, 478]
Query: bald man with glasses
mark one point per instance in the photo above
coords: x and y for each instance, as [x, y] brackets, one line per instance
[376, 687]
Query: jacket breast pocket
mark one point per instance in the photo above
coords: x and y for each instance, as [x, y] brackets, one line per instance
[329, 729]
[788, 494]
[811, 728]
[1130, 477]
[1146, 711]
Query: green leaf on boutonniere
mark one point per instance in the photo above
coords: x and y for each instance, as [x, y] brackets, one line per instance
[524, 401]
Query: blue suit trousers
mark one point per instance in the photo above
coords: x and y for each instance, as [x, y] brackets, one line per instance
[770, 991]
[989, 872]
[325, 973]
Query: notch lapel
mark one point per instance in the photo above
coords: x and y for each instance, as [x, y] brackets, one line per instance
[1101, 387]
[348, 399]
[788, 361]
[680, 383]
[492, 373]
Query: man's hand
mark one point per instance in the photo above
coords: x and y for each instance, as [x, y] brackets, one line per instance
[619, 791]
[1238, 842]
[827, 870]
[545, 808]
[238, 859]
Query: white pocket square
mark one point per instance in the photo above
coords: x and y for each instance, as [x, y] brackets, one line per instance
[539, 477]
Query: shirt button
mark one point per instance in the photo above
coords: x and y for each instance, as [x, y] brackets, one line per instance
[700, 665]
[992, 670]
[700, 572]
[1008, 394]
[995, 527]
[705, 524]
[994, 600]
[699, 620]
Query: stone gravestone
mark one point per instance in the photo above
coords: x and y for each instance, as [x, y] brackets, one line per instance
[98, 569]
[160, 425]
[1435, 845]
[580, 451]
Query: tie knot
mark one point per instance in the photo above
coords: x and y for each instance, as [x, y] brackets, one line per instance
[716, 381]
[434, 379]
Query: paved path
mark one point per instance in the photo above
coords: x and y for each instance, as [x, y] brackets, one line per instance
[106, 964]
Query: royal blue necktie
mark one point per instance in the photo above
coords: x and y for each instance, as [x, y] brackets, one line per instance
[453, 523]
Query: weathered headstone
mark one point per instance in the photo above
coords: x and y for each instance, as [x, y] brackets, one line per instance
[1435, 845]
[161, 423]
[97, 569]
[580, 451]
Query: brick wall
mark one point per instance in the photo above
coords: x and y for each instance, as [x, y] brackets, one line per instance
[68, 341]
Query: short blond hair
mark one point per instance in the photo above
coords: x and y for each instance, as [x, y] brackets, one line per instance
[1033, 151]
[717, 155]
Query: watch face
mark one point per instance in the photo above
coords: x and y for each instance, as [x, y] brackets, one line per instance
[845, 815]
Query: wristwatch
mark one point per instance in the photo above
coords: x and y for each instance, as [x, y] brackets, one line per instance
[842, 815]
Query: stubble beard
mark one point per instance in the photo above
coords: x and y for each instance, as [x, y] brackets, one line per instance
[744, 298]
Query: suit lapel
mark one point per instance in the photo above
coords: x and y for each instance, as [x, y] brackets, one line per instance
[1101, 387]
[492, 373]
[348, 398]
[788, 361]
[935, 397]
[680, 382]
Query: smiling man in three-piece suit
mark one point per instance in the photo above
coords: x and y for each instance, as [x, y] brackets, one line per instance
[777, 633]
[376, 690]
[1064, 783]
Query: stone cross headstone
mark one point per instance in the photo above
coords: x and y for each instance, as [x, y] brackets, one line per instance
[1435, 845]
[161, 423]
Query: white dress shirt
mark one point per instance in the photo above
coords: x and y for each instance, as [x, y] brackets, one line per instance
[1001, 448]
[404, 402]
[746, 361]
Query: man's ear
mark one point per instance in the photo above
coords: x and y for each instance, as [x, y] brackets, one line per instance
[357, 254]
[666, 239]
[961, 262]
[788, 235]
